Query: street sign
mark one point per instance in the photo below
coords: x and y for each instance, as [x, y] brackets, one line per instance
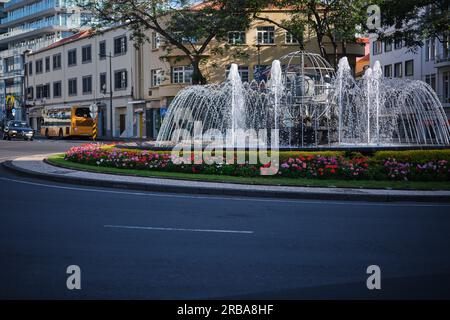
[10, 100]
[13, 112]
[94, 110]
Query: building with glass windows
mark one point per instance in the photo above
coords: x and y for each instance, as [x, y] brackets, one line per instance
[429, 63]
[29, 25]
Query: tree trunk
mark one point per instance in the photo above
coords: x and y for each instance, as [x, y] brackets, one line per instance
[197, 76]
[335, 53]
[323, 51]
[344, 48]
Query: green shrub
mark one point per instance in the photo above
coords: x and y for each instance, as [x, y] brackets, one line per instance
[415, 156]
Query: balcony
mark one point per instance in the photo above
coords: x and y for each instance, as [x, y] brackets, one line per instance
[43, 26]
[442, 60]
[14, 4]
[12, 74]
[30, 15]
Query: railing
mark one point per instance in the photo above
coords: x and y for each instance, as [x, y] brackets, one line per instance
[43, 23]
[11, 74]
[442, 58]
[12, 3]
[30, 10]
[31, 46]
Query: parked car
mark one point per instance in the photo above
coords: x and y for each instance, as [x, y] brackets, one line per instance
[17, 129]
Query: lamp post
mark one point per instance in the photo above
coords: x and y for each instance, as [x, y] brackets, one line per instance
[109, 132]
[24, 83]
[258, 46]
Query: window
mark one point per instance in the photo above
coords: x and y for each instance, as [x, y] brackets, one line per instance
[430, 50]
[57, 89]
[83, 112]
[46, 90]
[446, 47]
[388, 46]
[290, 39]
[156, 40]
[43, 91]
[86, 54]
[72, 57]
[236, 37]
[243, 73]
[87, 84]
[103, 82]
[260, 72]
[102, 49]
[156, 77]
[398, 44]
[377, 47]
[388, 71]
[265, 35]
[409, 68]
[57, 61]
[47, 64]
[398, 70]
[30, 68]
[430, 79]
[120, 45]
[39, 92]
[179, 35]
[120, 80]
[39, 66]
[182, 74]
[446, 83]
[30, 93]
[72, 87]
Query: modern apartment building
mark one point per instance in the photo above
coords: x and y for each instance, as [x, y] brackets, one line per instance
[30, 25]
[78, 71]
[2, 16]
[431, 64]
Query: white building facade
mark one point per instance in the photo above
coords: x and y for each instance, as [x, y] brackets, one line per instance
[80, 71]
[431, 64]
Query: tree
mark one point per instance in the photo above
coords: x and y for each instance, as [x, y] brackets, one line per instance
[190, 28]
[414, 21]
[333, 20]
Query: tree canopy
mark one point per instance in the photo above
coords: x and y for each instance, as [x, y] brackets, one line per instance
[189, 28]
[414, 21]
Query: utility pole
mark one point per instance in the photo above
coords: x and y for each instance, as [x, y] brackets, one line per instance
[110, 132]
[258, 46]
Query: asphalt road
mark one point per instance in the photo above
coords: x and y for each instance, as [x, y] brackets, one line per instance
[165, 246]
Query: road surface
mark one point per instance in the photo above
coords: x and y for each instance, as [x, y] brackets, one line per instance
[145, 245]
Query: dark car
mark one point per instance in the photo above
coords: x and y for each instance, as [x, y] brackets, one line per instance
[17, 129]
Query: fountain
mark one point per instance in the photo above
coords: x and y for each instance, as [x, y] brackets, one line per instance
[312, 106]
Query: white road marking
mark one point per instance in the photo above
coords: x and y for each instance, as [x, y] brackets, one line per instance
[178, 229]
[249, 199]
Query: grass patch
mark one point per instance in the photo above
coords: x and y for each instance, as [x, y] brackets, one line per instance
[262, 180]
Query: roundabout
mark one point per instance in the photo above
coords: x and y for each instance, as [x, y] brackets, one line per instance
[230, 240]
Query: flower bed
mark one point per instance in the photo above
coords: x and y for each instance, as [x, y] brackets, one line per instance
[313, 165]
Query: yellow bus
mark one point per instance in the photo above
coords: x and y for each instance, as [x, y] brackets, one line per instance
[63, 122]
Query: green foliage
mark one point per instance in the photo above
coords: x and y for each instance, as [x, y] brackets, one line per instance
[190, 28]
[416, 156]
[330, 21]
[414, 21]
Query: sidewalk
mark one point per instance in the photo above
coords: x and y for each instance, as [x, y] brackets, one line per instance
[35, 166]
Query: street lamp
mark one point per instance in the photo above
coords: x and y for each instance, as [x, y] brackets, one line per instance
[24, 83]
[110, 132]
[258, 46]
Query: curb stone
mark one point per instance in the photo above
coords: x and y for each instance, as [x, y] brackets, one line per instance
[330, 194]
